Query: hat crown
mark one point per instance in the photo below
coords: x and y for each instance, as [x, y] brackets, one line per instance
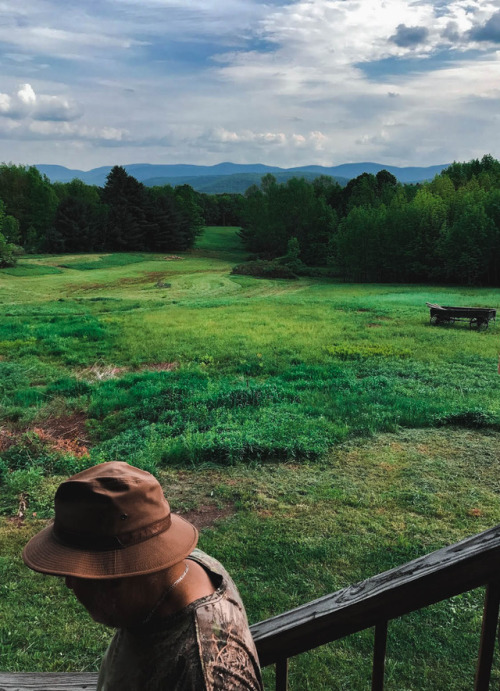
[110, 499]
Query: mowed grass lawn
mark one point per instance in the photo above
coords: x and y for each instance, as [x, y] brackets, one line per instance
[318, 432]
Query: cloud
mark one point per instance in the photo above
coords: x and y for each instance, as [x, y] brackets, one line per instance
[26, 95]
[409, 36]
[57, 108]
[451, 32]
[62, 131]
[315, 139]
[117, 30]
[26, 104]
[65, 130]
[220, 134]
[490, 31]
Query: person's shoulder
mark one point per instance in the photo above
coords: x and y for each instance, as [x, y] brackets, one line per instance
[208, 562]
[225, 586]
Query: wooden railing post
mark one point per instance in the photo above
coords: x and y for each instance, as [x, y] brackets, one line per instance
[282, 674]
[488, 636]
[379, 649]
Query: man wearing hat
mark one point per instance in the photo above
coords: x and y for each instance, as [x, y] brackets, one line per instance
[133, 565]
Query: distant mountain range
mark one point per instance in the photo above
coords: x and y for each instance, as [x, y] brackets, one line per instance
[233, 177]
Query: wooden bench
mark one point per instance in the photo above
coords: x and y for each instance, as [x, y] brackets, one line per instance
[437, 576]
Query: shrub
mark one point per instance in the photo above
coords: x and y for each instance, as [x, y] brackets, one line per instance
[8, 253]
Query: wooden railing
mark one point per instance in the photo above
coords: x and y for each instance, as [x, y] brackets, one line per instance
[456, 569]
[471, 563]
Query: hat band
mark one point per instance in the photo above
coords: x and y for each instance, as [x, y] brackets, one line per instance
[98, 543]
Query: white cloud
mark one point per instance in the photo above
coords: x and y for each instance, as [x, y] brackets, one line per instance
[5, 103]
[316, 140]
[62, 131]
[244, 136]
[26, 95]
[66, 130]
[25, 103]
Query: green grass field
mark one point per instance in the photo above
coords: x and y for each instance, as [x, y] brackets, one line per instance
[328, 427]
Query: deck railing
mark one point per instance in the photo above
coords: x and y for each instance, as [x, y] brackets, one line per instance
[456, 569]
[437, 576]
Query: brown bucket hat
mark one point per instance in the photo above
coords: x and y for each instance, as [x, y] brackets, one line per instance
[111, 521]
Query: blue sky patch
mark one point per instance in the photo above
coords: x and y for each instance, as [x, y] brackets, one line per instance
[381, 70]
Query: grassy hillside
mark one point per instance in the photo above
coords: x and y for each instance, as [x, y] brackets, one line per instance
[327, 428]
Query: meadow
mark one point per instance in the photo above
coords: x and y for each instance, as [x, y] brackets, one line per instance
[318, 431]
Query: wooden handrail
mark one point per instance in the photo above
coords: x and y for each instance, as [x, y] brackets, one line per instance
[437, 576]
[48, 681]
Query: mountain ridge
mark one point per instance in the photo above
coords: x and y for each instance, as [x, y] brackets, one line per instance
[234, 177]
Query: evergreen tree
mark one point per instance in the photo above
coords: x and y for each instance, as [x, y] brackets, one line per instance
[163, 220]
[125, 198]
[75, 227]
[190, 223]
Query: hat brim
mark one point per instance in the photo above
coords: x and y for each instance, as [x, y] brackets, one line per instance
[45, 554]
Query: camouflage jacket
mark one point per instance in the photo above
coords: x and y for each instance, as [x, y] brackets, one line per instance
[207, 646]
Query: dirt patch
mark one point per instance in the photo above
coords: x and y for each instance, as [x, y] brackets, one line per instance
[7, 439]
[264, 513]
[150, 277]
[66, 434]
[172, 257]
[17, 521]
[387, 467]
[74, 287]
[67, 427]
[76, 447]
[363, 309]
[206, 515]
[373, 326]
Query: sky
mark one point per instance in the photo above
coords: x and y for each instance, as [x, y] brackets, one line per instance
[286, 83]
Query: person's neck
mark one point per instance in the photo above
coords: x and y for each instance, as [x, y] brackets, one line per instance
[164, 603]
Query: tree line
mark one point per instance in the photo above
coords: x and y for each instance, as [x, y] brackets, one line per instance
[124, 215]
[376, 229]
[373, 229]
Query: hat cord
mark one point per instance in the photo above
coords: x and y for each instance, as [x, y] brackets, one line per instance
[148, 617]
